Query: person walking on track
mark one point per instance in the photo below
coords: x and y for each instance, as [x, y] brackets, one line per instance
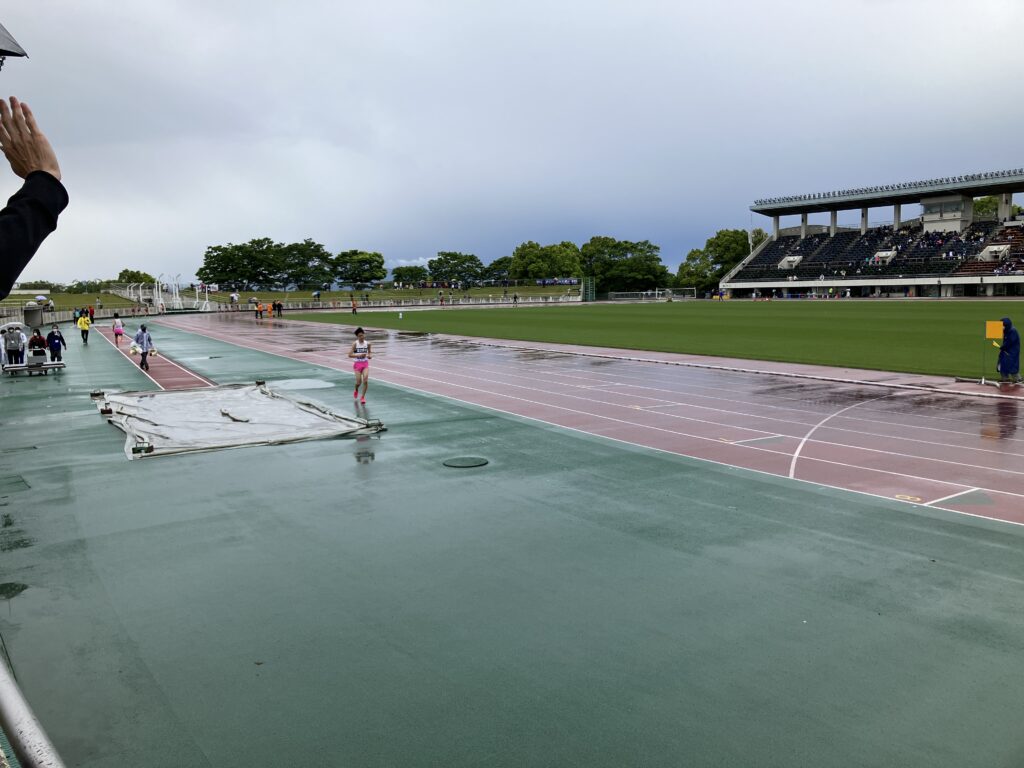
[361, 352]
[55, 341]
[83, 325]
[145, 344]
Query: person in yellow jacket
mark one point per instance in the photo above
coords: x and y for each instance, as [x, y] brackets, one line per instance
[83, 326]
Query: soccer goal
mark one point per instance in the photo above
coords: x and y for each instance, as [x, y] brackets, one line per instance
[655, 294]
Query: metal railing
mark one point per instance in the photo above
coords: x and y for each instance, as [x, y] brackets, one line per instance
[25, 733]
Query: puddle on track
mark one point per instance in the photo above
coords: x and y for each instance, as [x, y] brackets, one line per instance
[290, 384]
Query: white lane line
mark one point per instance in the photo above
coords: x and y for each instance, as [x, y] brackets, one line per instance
[766, 437]
[335, 367]
[124, 355]
[951, 496]
[799, 448]
[765, 433]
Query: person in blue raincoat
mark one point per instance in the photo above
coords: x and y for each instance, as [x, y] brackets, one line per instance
[1009, 352]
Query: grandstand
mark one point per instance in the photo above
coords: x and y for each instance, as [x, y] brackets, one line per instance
[944, 251]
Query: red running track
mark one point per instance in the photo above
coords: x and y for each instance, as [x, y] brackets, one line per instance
[959, 453]
[166, 374]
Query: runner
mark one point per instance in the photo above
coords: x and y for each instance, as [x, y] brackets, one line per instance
[361, 353]
[118, 327]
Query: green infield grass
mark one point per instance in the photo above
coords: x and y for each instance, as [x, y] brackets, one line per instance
[931, 337]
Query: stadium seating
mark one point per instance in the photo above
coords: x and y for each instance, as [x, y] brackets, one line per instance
[849, 254]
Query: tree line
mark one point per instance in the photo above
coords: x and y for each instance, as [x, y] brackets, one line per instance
[88, 286]
[262, 264]
[615, 265]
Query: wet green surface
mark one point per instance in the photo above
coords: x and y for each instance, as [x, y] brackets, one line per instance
[574, 602]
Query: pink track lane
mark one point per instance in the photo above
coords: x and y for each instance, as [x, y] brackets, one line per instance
[951, 451]
[165, 373]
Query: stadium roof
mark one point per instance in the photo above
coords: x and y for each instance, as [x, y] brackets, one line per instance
[973, 184]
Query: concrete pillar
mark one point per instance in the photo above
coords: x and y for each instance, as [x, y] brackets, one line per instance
[833, 221]
[1005, 205]
[863, 221]
[775, 227]
[897, 216]
[803, 225]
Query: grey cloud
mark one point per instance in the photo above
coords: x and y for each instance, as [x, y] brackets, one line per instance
[411, 127]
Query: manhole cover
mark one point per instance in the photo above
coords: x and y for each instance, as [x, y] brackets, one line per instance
[465, 462]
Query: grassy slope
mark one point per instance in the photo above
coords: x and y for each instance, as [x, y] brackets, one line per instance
[933, 337]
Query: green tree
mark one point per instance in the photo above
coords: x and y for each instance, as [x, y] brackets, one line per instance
[988, 207]
[697, 271]
[498, 269]
[452, 266]
[704, 267]
[256, 264]
[410, 275]
[622, 265]
[42, 285]
[306, 264]
[531, 260]
[134, 276]
[358, 268]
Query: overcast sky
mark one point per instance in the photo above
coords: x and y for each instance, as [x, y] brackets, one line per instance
[413, 127]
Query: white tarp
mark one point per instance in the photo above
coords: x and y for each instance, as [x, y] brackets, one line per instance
[232, 416]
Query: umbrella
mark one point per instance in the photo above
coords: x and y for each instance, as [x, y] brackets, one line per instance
[8, 45]
[40, 298]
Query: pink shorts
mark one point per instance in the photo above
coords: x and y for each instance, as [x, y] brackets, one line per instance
[119, 331]
[360, 365]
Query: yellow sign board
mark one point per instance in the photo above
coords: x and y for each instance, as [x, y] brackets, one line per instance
[993, 329]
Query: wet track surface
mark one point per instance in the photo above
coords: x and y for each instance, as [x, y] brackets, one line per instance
[960, 453]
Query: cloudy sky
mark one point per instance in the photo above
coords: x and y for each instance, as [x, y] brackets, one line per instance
[412, 127]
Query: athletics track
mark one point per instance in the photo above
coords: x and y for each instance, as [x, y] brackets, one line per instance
[955, 452]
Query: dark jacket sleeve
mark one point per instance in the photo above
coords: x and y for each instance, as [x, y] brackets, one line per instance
[30, 215]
